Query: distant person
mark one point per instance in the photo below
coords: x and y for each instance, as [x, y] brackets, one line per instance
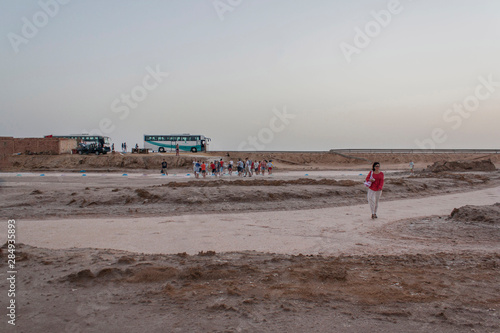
[197, 169]
[177, 150]
[164, 168]
[213, 167]
[217, 167]
[376, 177]
[230, 167]
[113, 147]
[245, 167]
[270, 167]
[136, 146]
[204, 170]
[239, 166]
[263, 165]
[125, 147]
[412, 166]
[221, 162]
[248, 165]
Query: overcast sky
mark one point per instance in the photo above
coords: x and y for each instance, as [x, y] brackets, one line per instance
[260, 74]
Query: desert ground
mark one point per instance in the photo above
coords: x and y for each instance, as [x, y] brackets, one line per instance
[108, 244]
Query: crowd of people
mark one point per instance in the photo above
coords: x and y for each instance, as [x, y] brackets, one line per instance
[243, 168]
[374, 180]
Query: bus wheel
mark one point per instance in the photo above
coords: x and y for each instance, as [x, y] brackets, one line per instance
[97, 152]
[80, 152]
[194, 150]
[161, 150]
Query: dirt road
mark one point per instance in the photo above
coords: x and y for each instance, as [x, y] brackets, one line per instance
[327, 231]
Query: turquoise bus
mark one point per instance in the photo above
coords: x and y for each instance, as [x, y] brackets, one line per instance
[167, 142]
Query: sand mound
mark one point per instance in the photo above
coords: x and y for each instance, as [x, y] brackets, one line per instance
[484, 165]
[488, 214]
[153, 274]
[261, 182]
[142, 193]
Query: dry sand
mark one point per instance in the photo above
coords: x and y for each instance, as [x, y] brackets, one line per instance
[291, 252]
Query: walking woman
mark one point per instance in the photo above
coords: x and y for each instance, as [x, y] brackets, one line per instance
[375, 190]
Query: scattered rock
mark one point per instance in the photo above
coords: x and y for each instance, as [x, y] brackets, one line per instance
[124, 260]
[206, 254]
[81, 276]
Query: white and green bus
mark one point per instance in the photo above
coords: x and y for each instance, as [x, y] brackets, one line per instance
[168, 142]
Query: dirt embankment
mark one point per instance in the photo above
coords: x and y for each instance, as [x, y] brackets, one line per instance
[482, 165]
[286, 160]
[353, 158]
[110, 162]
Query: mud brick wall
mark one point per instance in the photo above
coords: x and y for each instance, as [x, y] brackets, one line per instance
[67, 145]
[6, 150]
[36, 145]
[52, 146]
